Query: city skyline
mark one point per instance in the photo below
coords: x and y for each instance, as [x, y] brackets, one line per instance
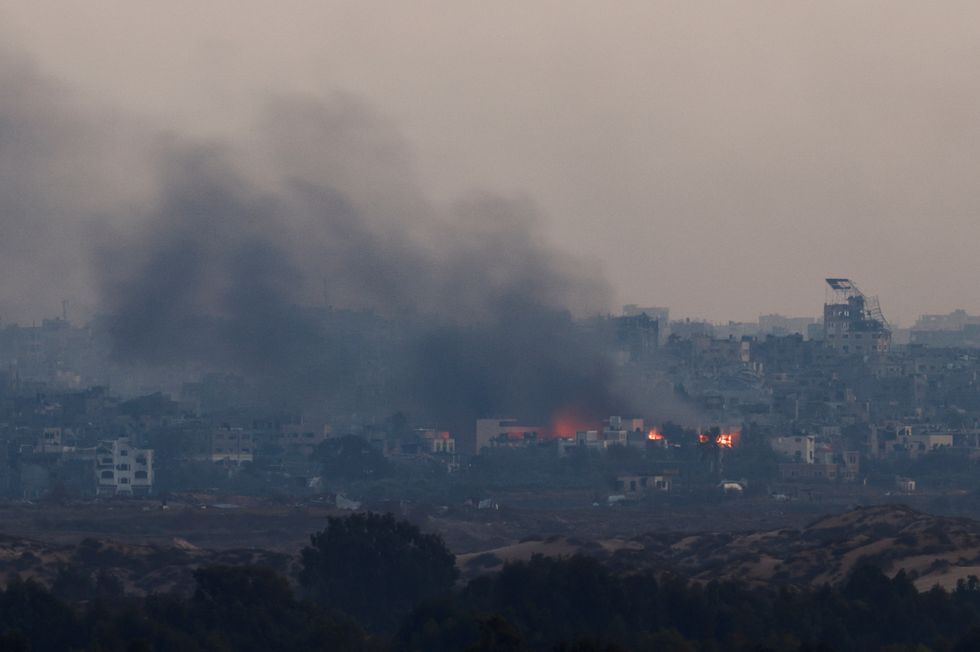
[720, 162]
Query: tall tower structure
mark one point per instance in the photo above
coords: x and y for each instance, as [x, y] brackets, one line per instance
[853, 322]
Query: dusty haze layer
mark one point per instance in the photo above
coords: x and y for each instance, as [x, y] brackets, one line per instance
[717, 158]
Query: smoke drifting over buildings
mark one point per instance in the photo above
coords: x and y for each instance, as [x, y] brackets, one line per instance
[231, 255]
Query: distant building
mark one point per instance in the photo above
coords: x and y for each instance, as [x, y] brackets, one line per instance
[954, 321]
[54, 441]
[801, 448]
[780, 325]
[659, 314]
[441, 445]
[905, 485]
[634, 485]
[637, 337]
[491, 432]
[123, 469]
[852, 322]
[852, 465]
[710, 350]
[620, 429]
[957, 329]
[687, 328]
[233, 446]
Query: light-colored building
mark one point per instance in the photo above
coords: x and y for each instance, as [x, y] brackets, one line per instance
[909, 442]
[123, 469]
[921, 443]
[441, 445]
[801, 449]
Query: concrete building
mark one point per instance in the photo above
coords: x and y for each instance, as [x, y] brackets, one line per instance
[490, 432]
[659, 314]
[441, 445]
[853, 323]
[234, 446]
[802, 449]
[123, 469]
[634, 485]
[637, 338]
[54, 441]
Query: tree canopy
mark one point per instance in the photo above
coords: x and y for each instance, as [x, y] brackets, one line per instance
[375, 568]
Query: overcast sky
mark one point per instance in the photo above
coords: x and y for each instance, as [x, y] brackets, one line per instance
[717, 158]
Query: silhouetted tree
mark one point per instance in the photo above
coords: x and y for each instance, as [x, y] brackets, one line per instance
[375, 568]
[351, 458]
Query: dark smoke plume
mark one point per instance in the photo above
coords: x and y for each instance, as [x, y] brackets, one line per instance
[230, 261]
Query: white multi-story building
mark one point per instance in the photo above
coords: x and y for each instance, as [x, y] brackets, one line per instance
[123, 469]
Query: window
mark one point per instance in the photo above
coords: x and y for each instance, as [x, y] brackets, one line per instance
[124, 452]
[122, 467]
[123, 480]
[141, 475]
[108, 474]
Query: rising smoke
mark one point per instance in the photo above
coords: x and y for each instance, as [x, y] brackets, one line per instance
[229, 255]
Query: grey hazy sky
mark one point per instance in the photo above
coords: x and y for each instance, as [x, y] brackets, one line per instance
[719, 158]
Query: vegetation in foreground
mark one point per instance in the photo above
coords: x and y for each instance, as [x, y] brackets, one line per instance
[369, 582]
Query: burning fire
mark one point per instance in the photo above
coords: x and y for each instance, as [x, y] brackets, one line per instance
[723, 440]
[654, 435]
[726, 439]
[570, 420]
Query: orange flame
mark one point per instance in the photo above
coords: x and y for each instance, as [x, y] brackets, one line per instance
[654, 435]
[726, 440]
[570, 420]
[723, 440]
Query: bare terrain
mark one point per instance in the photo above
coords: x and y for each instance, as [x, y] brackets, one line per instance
[150, 546]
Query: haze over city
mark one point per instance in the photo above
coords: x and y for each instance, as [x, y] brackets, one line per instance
[717, 159]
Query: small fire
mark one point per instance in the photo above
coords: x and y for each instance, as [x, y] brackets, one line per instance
[723, 440]
[726, 439]
[654, 435]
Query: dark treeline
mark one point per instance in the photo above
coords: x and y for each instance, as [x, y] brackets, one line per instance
[369, 582]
